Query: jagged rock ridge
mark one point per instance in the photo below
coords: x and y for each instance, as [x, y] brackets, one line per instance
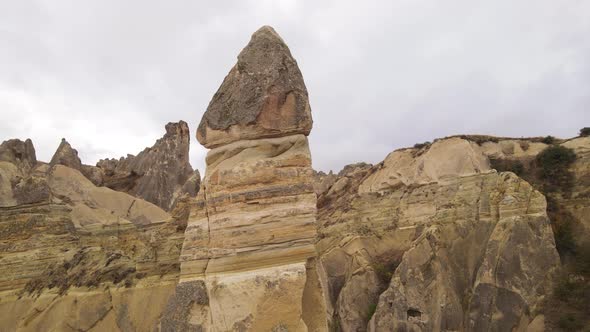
[156, 174]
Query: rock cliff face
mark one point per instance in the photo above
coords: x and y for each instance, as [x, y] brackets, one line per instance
[156, 174]
[253, 228]
[519, 155]
[433, 239]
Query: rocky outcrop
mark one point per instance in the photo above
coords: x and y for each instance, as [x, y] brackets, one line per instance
[156, 174]
[81, 257]
[322, 181]
[253, 229]
[433, 239]
[66, 155]
[19, 182]
[21, 154]
[520, 154]
[262, 96]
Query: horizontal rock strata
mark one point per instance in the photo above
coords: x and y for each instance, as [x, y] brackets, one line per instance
[253, 228]
[432, 239]
[74, 256]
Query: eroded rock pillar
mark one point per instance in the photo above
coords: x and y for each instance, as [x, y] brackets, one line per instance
[253, 226]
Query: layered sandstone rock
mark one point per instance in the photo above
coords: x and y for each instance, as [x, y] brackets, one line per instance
[433, 239]
[253, 228]
[74, 256]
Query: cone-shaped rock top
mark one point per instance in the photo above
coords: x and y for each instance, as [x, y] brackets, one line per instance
[262, 96]
[66, 155]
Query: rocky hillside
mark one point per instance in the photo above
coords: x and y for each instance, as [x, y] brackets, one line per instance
[75, 256]
[434, 239]
[468, 233]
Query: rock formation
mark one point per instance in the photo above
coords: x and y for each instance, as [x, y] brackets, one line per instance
[19, 183]
[322, 181]
[74, 256]
[21, 154]
[457, 235]
[66, 155]
[262, 96]
[519, 155]
[249, 243]
[433, 239]
[156, 174]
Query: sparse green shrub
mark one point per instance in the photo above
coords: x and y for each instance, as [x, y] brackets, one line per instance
[571, 322]
[385, 269]
[548, 140]
[583, 259]
[553, 164]
[479, 139]
[507, 165]
[421, 145]
[364, 230]
[335, 325]
[585, 131]
[564, 238]
[371, 311]
[281, 327]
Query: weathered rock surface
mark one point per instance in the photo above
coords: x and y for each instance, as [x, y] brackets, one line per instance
[19, 182]
[74, 256]
[577, 202]
[522, 152]
[66, 155]
[262, 96]
[156, 174]
[432, 239]
[21, 154]
[253, 229]
[322, 181]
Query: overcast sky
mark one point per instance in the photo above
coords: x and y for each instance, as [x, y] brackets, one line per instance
[108, 75]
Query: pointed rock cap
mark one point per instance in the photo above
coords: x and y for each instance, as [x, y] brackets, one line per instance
[262, 96]
[66, 155]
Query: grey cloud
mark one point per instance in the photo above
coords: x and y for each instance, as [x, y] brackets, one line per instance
[108, 75]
